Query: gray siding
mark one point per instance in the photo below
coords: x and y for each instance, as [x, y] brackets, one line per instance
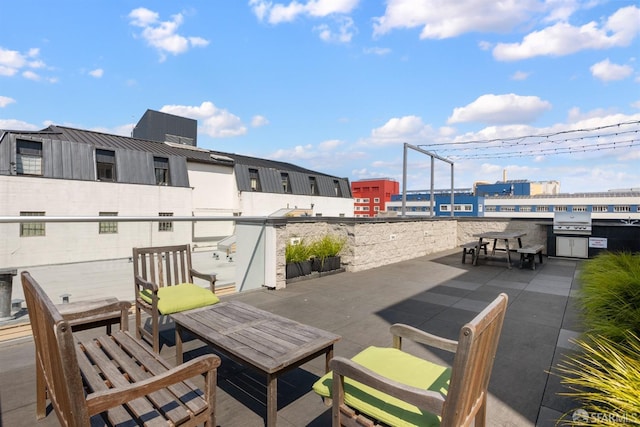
[270, 181]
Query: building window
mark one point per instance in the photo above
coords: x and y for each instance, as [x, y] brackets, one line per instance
[600, 208]
[28, 157]
[29, 229]
[559, 208]
[542, 208]
[338, 189]
[445, 208]
[507, 208]
[490, 209]
[254, 180]
[286, 184]
[313, 186]
[165, 225]
[622, 208]
[365, 200]
[579, 209]
[376, 208]
[525, 208]
[468, 208]
[106, 165]
[365, 208]
[376, 200]
[161, 166]
[108, 227]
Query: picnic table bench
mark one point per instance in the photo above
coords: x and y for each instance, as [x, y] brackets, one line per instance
[470, 248]
[528, 254]
[112, 379]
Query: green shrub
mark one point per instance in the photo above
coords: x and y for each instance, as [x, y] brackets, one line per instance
[605, 378]
[297, 252]
[328, 245]
[610, 295]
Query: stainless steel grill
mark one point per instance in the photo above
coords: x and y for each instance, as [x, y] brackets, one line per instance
[572, 223]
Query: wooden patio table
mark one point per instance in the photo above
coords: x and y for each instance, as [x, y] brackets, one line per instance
[267, 342]
[498, 235]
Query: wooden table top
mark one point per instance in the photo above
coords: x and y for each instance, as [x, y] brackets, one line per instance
[264, 340]
[501, 234]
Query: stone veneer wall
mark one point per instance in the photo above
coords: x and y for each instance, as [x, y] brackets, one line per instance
[382, 241]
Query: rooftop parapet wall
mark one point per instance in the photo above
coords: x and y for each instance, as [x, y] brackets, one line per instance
[376, 242]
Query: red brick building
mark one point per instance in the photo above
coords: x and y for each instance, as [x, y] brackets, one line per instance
[371, 195]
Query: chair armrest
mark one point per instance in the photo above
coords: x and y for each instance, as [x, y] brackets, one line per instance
[76, 311]
[145, 284]
[210, 277]
[423, 399]
[102, 400]
[400, 331]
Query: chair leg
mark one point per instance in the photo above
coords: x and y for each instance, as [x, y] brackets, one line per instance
[481, 415]
[41, 394]
[155, 330]
[138, 322]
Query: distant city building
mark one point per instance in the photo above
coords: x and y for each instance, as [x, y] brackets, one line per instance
[520, 199]
[371, 195]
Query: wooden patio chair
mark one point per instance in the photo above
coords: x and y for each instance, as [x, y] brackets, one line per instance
[391, 386]
[111, 379]
[163, 279]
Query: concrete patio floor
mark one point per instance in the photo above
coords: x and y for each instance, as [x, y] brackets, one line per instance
[435, 293]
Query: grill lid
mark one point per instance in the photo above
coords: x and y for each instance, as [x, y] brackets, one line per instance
[572, 222]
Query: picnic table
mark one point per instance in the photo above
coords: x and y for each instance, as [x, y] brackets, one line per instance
[495, 236]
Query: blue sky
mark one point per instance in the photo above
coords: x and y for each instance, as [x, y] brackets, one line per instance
[339, 85]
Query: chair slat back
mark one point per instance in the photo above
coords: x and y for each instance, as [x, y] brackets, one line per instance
[477, 346]
[56, 359]
[163, 265]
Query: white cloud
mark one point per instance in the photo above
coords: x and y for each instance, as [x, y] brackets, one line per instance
[342, 34]
[97, 73]
[636, 104]
[563, 38]
[163, 35]
[399, 130]
[14, 124]
[13, 63]
[278, 12]
[258, 121]
[520, 75]
[213, 121]
[5, 100]
[330, 145]
[340, 28]
[607, 71]
[30, 75]
[377, 51]
[446, 19]
[501, 109]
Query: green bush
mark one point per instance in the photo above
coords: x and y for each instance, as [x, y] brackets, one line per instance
[297, 252]
[328, 245]
[605, 378]
[610, 295]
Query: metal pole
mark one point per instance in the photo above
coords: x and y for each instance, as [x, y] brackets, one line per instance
[432, 195]
[404, 179]
[452, 199]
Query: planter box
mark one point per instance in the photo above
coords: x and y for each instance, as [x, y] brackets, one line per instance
[330, 263]
[297, 269]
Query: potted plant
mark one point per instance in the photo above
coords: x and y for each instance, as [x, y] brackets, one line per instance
[325, 253]
[297, 259]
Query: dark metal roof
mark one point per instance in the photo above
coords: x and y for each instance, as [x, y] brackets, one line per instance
[271, 164]
[105, 140]
[194, 154]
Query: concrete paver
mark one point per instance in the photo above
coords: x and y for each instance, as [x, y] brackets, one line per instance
[435, 293]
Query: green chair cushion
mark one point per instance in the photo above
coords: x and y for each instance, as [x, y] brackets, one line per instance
[399, 366]
[182, 297]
